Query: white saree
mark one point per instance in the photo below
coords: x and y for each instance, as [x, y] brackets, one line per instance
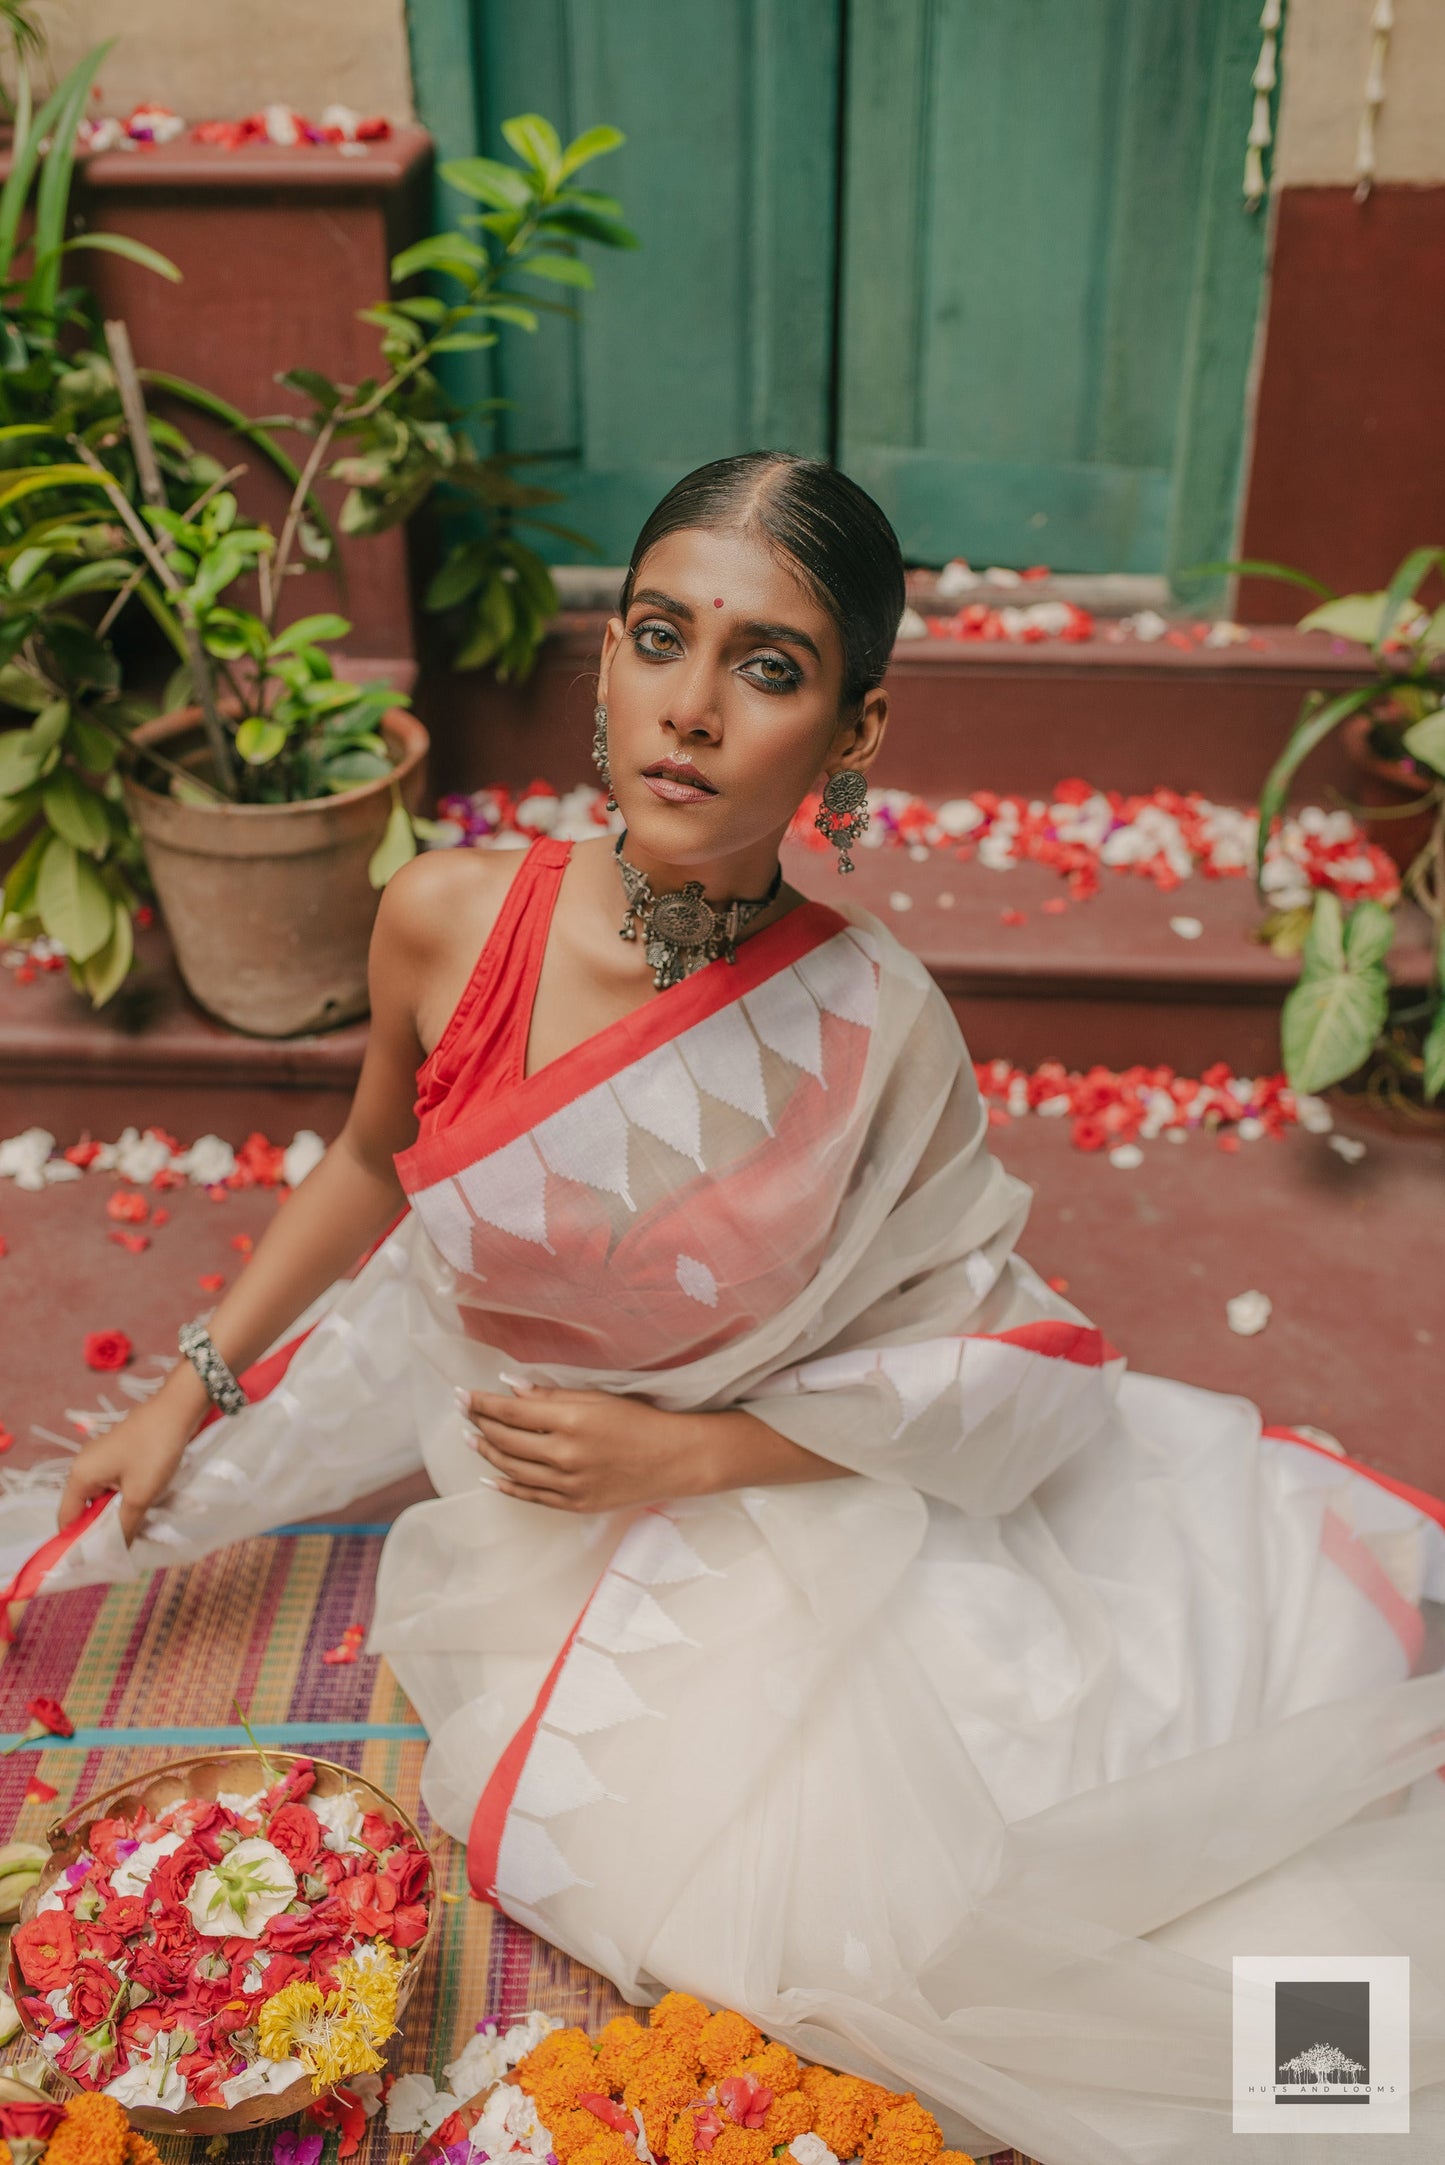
[970, 1770]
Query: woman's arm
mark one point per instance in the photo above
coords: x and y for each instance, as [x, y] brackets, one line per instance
[592, 1451]
[344, 1204]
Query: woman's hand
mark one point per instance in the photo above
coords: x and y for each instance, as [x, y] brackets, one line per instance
[592, 1451]
[139, 1457]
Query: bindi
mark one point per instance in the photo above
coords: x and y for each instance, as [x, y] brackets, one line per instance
[718, 603]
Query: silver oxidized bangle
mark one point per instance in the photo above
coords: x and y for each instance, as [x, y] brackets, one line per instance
[221, 1386]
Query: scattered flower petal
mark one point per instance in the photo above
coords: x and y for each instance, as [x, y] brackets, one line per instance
[1187, 928]
[1126, 1156]
[39, 1792]
[210, 1281]
[1248, 1313]
[1346, 1147]
[107, 1350]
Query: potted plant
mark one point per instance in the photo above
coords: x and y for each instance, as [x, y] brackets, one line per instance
[275, 801]
[1339, 1013]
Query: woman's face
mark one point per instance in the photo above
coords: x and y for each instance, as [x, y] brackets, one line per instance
[728, 666]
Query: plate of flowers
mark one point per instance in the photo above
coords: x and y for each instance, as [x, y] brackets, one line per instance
[221, 1942]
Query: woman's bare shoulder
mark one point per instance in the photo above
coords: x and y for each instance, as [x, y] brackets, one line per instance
[441, 899]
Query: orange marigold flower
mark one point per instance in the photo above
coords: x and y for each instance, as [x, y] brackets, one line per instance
[571, 2130]
[773, 2065]
[844, 2108]
[138, 2151]
[4, 2153]
[659, 2098]
[788, 2116]
[93, 2132]
[621, 2045]
[903, 2134]
[956, 2157]
[606, 2148]
[562, 2065]
[724, 2040]
[742, 2146]
[680, 2018]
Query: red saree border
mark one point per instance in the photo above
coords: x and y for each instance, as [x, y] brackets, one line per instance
[1432, 1506]
[1056, 1340]
[597, 1059]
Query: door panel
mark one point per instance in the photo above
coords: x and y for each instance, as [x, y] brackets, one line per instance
[1023, 242]
[716, 334]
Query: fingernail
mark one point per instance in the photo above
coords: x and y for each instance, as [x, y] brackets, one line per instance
[514, 1383]
[463, 1399]
[487, 1481]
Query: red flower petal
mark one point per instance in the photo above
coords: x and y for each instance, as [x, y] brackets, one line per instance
[39, 1792]
[210, 1281]
[107, 1349]
[52, 1714]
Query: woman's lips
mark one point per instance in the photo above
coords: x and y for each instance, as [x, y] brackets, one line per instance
[673, 791]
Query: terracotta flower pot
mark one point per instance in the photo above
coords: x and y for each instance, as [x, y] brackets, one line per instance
[1388, 782]
[269, 906]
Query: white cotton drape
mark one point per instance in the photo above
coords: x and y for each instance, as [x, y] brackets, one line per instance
[971, 1769]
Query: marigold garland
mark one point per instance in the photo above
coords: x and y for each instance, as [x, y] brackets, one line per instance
[708, 2086]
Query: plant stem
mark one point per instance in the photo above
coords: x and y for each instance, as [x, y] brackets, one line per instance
[294, 511]
[200, 671]
[123, 594]
[179, 773]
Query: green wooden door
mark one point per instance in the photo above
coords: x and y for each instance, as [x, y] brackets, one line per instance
[1014, 293]
[1042, 227]
[717, 334]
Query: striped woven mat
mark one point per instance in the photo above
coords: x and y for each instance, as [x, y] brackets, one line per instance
[154, 1671]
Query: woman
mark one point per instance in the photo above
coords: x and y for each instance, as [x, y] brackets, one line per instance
[831, 1627]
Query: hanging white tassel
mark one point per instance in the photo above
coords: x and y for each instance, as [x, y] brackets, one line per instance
[1266, 75]
[1382, 22]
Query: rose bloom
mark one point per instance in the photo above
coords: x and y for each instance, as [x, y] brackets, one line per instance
[46, 1949]
[23, 2121]
[107, 1349]
[296, 1832]
[124, 1915]
[410, 1869]
[166, 1971]
[93, 1989]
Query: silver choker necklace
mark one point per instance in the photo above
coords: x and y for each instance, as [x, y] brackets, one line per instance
[684, 932]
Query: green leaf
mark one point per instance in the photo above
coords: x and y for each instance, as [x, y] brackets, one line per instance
[492, 626]
[1403, 588]
[75, 812]
[16, 813]
[306, 629]
[24, 148]
[95, 748]
[121, 244]
[1349, 616]
[259, 740]
[1324, 948]
[1329, 1025]
[536, 143]
[58, 120]
[1254, 567]
[396, 847]
[425, 307]
[1434, 1055]
[589, 225]
[1369, 931]
[24, 566]
[486, 180]
[105, 971]
[509, 312]
[349, 769]
[1311, 729]
[1426, 741]
[74, 903]
[592, 143]
[464, 342]
[49, 727]
[20, 764]
[313, 385]
[558, 270]
[12, 488]
[461, 574]
[21, 879]
[440, 252]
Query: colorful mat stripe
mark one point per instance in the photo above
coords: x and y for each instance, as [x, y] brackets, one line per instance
[151, 1670]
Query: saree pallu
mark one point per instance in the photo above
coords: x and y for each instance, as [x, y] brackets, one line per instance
[969, 1770]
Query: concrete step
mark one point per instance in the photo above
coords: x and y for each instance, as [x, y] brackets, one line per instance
[1104, 980]
[968, 715]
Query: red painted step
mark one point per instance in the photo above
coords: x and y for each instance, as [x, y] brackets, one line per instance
[1106, 980]
[966, 716]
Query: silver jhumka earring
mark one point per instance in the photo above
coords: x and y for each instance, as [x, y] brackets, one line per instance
[843, 813]
[599, 752]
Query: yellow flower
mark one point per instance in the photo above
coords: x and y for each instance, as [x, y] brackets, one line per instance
[369, 1983]
[333, 2034]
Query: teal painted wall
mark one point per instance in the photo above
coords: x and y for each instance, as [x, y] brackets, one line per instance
[1002, 273]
